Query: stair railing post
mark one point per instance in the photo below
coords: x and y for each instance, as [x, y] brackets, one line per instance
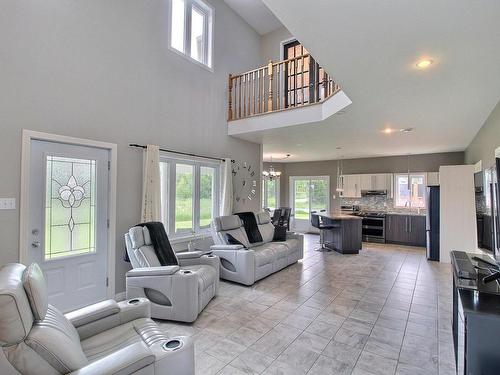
[270, 97]
[230, 98]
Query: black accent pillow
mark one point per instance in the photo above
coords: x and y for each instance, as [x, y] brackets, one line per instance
[233, 241]
[279, 233]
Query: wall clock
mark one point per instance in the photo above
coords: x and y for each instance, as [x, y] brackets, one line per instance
[244, 182]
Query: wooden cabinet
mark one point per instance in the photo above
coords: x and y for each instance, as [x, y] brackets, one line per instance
[405, 230]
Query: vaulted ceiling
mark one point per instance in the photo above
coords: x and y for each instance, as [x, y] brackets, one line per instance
[371, 48]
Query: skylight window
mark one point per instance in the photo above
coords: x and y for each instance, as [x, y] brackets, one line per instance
[191, 30]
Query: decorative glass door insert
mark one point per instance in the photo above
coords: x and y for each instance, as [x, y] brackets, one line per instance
[70, 218]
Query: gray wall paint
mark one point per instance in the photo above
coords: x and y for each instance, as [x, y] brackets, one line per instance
[271, 44]
[392, 164]
[486, 141]
[103, 70]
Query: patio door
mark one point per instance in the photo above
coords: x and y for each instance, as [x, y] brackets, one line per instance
[308, 194]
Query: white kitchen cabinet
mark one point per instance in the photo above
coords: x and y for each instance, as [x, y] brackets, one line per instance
[432, 178]
[377, 181]
[351, 185]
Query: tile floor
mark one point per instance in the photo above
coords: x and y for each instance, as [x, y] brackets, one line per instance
[384, 311]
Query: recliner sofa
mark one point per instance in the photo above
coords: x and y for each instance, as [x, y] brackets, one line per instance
[177, 293]
[104, 338]
[248, 263]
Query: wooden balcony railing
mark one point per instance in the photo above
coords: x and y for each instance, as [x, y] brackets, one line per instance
[282, 85]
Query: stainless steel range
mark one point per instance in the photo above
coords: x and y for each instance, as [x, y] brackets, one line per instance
[373, 226]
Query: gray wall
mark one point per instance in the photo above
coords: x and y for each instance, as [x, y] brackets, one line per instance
[486, 141]
[103, 70]
[391, 164]
[271, 44]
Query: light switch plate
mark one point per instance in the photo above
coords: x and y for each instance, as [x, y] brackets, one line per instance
[7, 203]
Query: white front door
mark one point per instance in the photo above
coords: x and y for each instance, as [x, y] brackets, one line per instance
[308, 194]
[68, 221]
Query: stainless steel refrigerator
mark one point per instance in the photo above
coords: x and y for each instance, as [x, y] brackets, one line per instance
[432, 223]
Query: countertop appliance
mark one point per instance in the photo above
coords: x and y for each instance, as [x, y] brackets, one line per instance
[373, 226]
[432, 223]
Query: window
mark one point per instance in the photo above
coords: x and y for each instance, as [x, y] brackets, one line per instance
[271, 193]
[191, 30]
[190, 195]
[412, 194]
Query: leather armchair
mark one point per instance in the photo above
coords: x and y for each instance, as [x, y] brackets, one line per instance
[104, 338]
[176, 292]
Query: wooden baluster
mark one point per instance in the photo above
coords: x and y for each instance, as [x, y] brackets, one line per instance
[263, 90]
[249, 93]
[295, 82]
[325, 85]
[253, 91]
[230, 99]
[302, 80]
[278, 84]
[270, 97]
[239, 100]
[258, 90]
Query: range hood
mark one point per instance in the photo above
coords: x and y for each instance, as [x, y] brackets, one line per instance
[373, 192]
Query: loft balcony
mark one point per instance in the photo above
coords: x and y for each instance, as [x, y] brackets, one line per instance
[284, 93]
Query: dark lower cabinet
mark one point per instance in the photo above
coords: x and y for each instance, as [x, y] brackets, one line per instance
[405, 230]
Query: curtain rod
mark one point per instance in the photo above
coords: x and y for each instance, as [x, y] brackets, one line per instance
[179, 152]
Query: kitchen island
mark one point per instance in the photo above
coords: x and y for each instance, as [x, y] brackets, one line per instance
[342, 233]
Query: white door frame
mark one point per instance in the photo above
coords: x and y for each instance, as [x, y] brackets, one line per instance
[31, 135]
[291, 191]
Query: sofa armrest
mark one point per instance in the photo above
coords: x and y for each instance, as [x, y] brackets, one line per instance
[125, 361]
[153, 271]
[227, 247]
[134, 308]
[294, 235]
[92, 313]
[190, 254]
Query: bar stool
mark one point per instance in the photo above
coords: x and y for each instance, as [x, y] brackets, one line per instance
[316, 222]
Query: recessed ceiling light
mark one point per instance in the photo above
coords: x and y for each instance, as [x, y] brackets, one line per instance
[388, 130]
[424, 63]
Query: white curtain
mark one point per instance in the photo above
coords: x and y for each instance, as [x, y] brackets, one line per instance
[151, 188]
[226, 202]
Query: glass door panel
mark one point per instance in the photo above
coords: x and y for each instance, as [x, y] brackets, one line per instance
[308, 194]
[319, 194]
[301, 200]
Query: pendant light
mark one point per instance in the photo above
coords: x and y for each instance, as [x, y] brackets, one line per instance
[271, 174]
[340, 187]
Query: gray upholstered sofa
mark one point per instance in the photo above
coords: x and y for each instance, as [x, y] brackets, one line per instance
[247, 263]
[100, 339]
[176, 292]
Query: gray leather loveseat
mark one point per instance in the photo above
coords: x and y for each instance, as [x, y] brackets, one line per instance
[247, 263]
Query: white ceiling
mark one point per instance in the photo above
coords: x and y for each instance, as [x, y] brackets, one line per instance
[256, 14]
[371, 47]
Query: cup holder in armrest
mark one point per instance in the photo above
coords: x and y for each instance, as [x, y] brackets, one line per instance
[134, 301]
[172, 345]
[186, 272]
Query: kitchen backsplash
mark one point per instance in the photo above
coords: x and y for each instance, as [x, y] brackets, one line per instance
[378, 203]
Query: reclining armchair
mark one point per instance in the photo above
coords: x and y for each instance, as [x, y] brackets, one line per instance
[104, 338]
[246, 262]
[176, 292]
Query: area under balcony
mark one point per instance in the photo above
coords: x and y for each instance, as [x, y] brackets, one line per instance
[289, 92]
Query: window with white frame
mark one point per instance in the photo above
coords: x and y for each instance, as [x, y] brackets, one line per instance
[189, 195]
[270, 193]
[191, 29]
[409, 193]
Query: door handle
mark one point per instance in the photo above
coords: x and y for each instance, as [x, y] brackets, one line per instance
[35, 244]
